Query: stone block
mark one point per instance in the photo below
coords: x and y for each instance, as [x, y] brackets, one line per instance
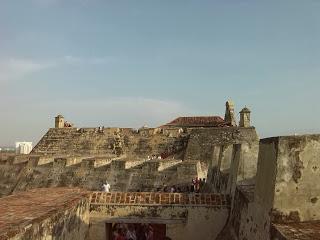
[151, 166]
[87, 163]
[117, 165]
[59, 162]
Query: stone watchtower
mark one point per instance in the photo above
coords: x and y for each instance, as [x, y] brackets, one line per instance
[244, 117]
[229, 116]
[59, 121]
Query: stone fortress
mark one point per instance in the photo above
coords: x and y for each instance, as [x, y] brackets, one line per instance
[255, 188]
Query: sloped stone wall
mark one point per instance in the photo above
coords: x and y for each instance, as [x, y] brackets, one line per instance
[111, 141]
[213, 148]
[91, 173]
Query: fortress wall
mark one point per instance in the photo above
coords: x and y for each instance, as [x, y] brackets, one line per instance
[183, 214]
[8, 177]
[296, 192]
[182, 222]
[135, 163]
[45, 160]
[87, 158]
[168, 163]
[238, 219]
[65, 224]
[203, 140]
[45, 214]
[285, 189]
[214, 148]
[243, 166]
[288, 169]
[100, 162]
[149, 176]
[253, 220]
[247, 168]
[231, 165]
[222, 173]
[109, 141]
[21, 158]
[4, 156]
[187, 170]
[213, 167]
[235, 173]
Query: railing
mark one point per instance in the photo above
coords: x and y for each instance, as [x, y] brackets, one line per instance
[160, 198]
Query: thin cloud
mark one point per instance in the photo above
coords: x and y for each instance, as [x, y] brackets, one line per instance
[45, 3]
[120, 111]
[49, 3]
[17, 68]
[90, 61]
[11, 69]
[109, 112]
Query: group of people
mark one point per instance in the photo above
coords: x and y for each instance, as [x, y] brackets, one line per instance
[165, 154]
[197, 185]
[154, 157]
[68, 124]
[136, 231]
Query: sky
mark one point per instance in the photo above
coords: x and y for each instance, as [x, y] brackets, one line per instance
[132, 63]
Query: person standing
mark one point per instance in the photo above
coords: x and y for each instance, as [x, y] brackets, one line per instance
[193, 186]
[106, 187]
[197, 183]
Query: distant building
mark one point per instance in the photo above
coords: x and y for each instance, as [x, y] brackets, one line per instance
[23, 147]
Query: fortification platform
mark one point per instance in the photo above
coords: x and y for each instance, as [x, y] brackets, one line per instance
[44, 212]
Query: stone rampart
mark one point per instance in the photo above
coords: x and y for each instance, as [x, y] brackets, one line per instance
[91, 173]
[213, 148]
[112, 141]
[284, 194]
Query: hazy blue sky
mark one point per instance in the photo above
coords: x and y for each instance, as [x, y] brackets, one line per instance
[130, 63]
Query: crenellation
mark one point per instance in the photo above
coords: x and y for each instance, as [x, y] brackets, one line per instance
[60, 163]
[88, 163]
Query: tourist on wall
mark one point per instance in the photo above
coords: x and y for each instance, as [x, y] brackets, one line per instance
[193, 186]
[197, 184]
[106, 187]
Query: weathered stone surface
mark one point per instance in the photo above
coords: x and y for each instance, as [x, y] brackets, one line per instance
[112, 141]
[285, 191]
[183, 214]
[296, 231]
[271, 184]
[45, 214]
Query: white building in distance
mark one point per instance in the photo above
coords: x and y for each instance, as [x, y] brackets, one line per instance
[23, 147]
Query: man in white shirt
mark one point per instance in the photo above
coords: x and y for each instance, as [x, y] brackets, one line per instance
[106, 187]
